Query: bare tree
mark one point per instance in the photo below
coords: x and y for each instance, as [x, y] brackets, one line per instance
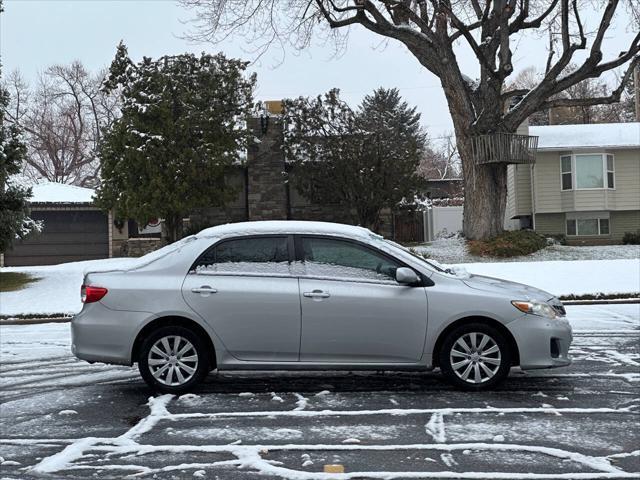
[433, 31]
[62, 117]
[441, 160]
[588, 88]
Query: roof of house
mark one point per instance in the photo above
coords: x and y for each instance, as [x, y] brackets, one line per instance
[52, 192]
[605, 135]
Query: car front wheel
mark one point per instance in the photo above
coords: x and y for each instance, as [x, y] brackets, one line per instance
[172, 360]
[475, 356]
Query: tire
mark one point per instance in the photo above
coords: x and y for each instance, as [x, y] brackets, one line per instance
[166, 372]
[468, 367]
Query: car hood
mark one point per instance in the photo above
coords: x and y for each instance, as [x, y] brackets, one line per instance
[517, 291]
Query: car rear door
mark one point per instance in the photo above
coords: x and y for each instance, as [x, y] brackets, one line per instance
[353, 310]
[243, 288]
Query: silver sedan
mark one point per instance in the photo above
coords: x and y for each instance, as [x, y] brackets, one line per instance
[311, 295]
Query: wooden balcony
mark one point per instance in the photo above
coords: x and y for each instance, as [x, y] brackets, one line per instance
[504, 148]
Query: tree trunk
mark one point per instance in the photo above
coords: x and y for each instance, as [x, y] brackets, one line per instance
[173, 228]
[485, 194]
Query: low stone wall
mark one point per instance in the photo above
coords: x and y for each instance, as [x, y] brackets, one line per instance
[137, 247]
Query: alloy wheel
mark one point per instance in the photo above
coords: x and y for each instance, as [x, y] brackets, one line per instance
[475, 357]
[173, 360]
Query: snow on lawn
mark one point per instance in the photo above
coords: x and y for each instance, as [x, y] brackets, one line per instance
[57, 290]
[454, 250]
[577, 277]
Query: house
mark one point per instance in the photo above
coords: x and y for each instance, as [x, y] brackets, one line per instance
[74, 228]
[584, 184]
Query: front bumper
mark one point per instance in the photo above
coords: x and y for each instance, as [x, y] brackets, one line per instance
[99, 334]
[542, 342]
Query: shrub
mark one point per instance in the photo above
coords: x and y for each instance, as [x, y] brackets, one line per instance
[508, 244]
[631, 238]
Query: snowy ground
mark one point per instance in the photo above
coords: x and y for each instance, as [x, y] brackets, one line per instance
[453, 250]
[65, 419]
[58, 290]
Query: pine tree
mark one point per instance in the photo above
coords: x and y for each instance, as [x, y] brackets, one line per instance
[365, 159]
[182, 127]
[14, 212]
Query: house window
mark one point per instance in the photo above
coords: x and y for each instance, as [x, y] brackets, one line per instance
[610, 172]
[587, 226]
[587, 171]
[565, 169]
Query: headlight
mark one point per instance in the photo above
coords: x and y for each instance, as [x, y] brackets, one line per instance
[535, 308]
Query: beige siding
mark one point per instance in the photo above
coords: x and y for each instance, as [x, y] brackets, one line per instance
[622, 222]
[511, 191]
[523, 187]
[519, 190]
[547, 182]
[550, 223]
[627, 179]
[549, 197]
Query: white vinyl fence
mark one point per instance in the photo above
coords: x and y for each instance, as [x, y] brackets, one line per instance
[441, 221]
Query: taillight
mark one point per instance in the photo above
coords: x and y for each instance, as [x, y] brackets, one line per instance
[90, 294]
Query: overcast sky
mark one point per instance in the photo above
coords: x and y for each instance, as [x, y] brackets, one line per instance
[37, 33]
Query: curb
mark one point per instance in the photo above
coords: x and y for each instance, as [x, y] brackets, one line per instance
[611, 301]
[33, 321]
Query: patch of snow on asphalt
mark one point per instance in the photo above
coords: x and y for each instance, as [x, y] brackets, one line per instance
[251, 456]
[435, 428]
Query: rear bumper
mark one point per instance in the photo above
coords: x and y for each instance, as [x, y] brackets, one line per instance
[99, 334]
[542, 342]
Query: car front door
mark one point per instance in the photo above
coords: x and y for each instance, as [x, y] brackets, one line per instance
[243, 288]
[353, 310]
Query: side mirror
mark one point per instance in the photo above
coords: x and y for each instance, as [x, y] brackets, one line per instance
[406, 276]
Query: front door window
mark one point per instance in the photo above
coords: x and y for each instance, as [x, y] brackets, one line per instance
[340, 259]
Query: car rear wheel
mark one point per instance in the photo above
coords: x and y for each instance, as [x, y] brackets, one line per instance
[172, 360]
[475, 356]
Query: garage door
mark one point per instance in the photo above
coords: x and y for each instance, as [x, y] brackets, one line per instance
[68, 236]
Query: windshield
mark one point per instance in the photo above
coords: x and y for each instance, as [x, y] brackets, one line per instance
[432, 264]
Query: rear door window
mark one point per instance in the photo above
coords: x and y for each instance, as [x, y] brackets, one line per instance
[254, 255]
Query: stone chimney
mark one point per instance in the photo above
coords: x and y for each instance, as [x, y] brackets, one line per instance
[266, 187]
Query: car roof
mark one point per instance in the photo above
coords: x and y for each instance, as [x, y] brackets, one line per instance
[286, 227]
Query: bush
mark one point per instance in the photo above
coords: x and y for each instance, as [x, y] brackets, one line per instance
[508, 244]
[631, 238]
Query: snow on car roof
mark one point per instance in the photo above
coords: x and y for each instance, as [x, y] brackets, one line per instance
[246, 228]
[286, 227]
[602, 135]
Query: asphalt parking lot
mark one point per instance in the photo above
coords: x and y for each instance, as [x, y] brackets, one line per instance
[65, 419]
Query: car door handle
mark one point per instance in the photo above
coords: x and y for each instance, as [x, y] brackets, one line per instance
[316, 294]
[204, 289]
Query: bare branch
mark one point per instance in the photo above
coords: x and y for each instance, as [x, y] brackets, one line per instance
[614, 97]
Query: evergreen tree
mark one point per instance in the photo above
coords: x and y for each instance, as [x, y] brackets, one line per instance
[365, 159]
[182, 126]
[14, 213]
